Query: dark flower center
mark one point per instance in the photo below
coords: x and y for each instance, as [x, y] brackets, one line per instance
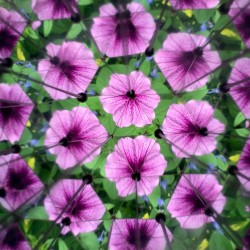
[76, 208]
[197, 204]
[3, 192]
[19, 180]
[203, 131]
[13, 238]
[131, 94]
[66, 221]
[138, 237]
[64, 141]
[136, 176]
[7, 39]
[55, 60]
[125, 28]
[123, 15]
[8, 110]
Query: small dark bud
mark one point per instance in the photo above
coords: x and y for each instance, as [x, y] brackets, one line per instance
[75, 18]
[159, 133]
[198, 52]
[208, 212]
[160, 217]
[232, 170]
[149, 52]
[66, 221]
[224, 88]
[88, 178]
[82, 97]
[17, 148]
[224, 8]
[136, 176]
[7, 62]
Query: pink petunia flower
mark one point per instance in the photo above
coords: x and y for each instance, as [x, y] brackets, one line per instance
[18, 184]
[191, 129]
[243, 166]
[15, 109]
[130, 99]
[194, 200]
[70, 68]
[132, 234]
[54, 9]
[83, 214]
[193, 4]
[77, 136]
[135, 165]
[123, 31]
[11, 238]
[185, 63]
[241, 92]
[240, 15]
[11, 28]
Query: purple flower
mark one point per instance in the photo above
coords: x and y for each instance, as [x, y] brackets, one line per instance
[130, 99]
[246, 240]
[79, 136]
[193, 4]
[84, 212]
[240, 92]
[11, 28]
[11, 238]
[193, 199]
[123, 31]
[53, 9]
[18, 184]
[243, 166]
[191, 129]
[70, 68]
[185, 63]
[134, 160]
[131, 233]
[241, 9]
[15, 109]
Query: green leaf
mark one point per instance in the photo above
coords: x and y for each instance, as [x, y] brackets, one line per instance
[110, 189]
[219, 242]
[203, 15]
[153, 198]
[37, 213]
[145, 67]
[62, 245]
[239, 119]
[47, 27]
[86, 2]
[89, 241]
